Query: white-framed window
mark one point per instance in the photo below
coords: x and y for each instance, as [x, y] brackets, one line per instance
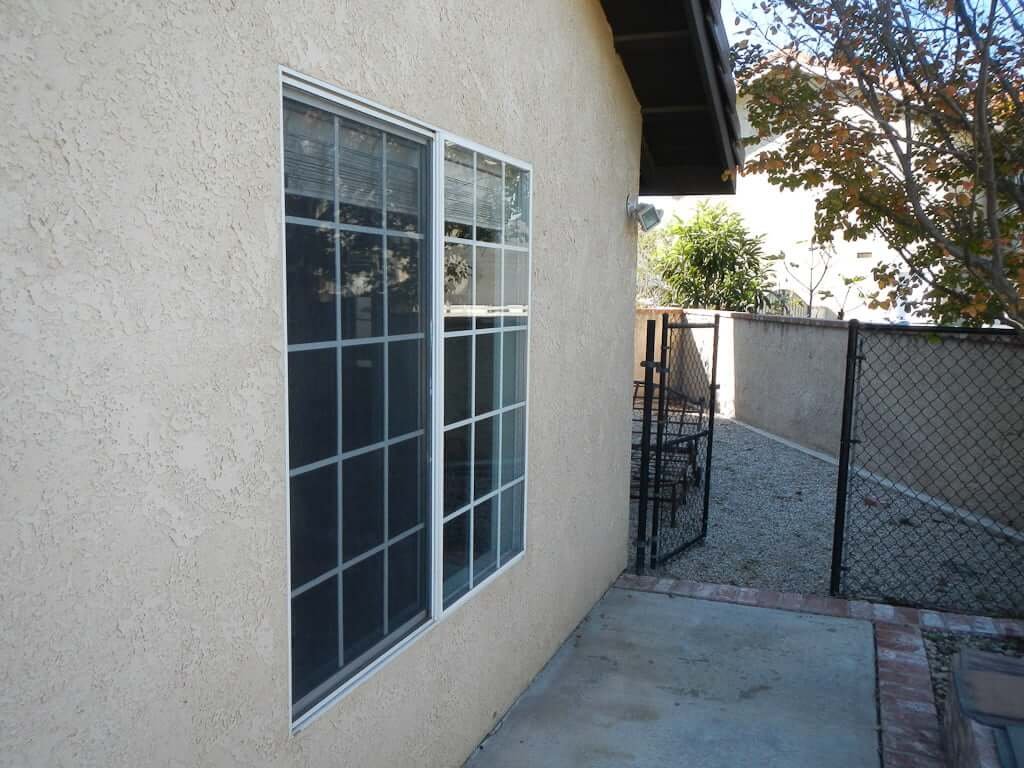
[406, 270]
[486, 286]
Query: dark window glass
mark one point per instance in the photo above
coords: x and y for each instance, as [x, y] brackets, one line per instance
[485, 458]
[362, 510]
[335, 283]
[405, 161]
[363, 606]
[312, 406]
[362, 394]
[458, 367]
[360, 171]
[456, 468]
[511, 522]
[407, 584]
[513, 368]
[515, 287]
[407, 485]
[314, 518]
[487, 304]
[311, 284]
[513, 445]
[405, 387]
[314, 637]
[485, 539]
[405, 288]
[308, 162]
[362, 285]
[458, 287]
[488, 365]
[456, 558]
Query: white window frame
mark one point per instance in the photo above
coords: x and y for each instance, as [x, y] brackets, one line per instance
[292, 81]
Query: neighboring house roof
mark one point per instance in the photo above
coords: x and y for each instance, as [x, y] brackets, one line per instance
[677, 56]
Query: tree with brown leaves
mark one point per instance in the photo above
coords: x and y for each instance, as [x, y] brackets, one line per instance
[907, 116]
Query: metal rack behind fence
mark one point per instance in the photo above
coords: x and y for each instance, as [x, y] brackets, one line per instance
[673, 432]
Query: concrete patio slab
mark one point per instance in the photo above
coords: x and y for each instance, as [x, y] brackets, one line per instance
[657, 680]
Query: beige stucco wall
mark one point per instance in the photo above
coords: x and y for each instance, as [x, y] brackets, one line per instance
[142, 526]
[784, 376]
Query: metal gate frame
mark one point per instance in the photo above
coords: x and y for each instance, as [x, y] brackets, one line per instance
[655, 416]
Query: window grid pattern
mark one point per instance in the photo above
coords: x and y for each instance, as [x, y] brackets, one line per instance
[477, 542]
[367, 350]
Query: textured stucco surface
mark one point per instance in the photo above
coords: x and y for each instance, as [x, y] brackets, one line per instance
[142, 528]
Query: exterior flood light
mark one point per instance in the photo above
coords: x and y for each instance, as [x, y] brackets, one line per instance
[646, 215]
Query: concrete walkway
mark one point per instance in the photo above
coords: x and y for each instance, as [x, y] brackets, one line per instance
[656, 680]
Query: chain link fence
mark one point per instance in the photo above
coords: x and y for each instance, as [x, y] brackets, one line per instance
[930, 504]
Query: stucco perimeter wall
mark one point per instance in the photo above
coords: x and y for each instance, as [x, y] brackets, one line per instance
[142, 527]
[784, 376]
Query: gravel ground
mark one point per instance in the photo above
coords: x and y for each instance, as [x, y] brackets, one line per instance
[941, 646]
[903, 550]
[770, 526]
[771, 515]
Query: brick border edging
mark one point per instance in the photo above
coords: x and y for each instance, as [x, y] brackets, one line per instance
[911, 736]
[878, 613]
[910, 733]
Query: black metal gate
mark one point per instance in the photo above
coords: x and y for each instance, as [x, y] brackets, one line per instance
[673, 434]
[930, 496]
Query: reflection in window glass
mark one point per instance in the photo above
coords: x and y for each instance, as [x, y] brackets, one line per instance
[488, 287]
[517, 206]
[308, 162]
[458, 191]
[458, 287]
[359, 506]
[515, 286]
[309, 255]
[362, 285]
[488, 199]
[405, 287]
[360, 172]
[405, 158]
[487, 272]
